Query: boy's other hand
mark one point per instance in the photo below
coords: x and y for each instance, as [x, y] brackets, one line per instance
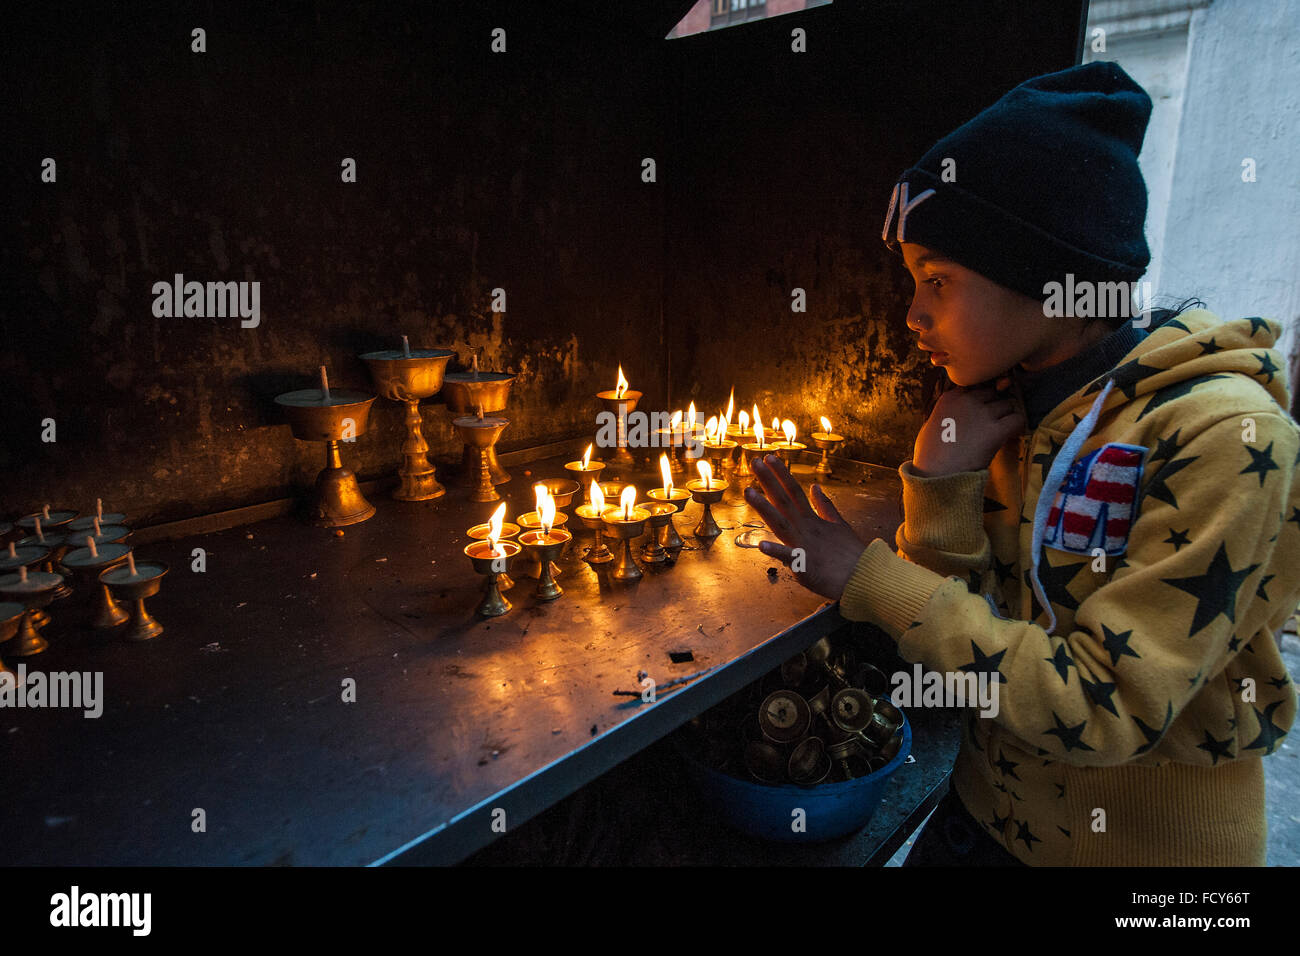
[976, 422]
[830, 547]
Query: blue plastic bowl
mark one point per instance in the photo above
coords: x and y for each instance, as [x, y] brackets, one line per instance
[767, 811]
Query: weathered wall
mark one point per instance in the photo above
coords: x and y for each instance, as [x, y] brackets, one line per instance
[475, 171]
[787, 162]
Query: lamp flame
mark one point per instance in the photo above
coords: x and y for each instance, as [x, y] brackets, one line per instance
[711, 429]
[731, 403]
[597, 497]
[744, 421]
[776, 424]
[787, 426]
[539, 493]
[690, 418]
[628, 501]
[706, 472]
[826, 425]
[667, 472]
[621, 389]
[494, 528]
[758, 431]
[676, 421]
[586, 459]
[546, 511]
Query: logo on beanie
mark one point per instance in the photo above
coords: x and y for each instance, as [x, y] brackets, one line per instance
[898, 200]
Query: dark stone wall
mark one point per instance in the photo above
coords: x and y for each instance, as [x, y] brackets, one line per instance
[474, 171]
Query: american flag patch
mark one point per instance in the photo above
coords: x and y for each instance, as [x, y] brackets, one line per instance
[1094, 507]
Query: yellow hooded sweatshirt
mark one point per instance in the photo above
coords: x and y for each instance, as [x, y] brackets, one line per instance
[1124, 572]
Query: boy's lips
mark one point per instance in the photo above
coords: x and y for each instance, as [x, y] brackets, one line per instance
[937, 356]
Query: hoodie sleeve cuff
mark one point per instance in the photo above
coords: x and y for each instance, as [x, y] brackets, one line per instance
[886, 590]
[945, 513]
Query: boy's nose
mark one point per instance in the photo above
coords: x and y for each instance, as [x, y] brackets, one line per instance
[917, 320]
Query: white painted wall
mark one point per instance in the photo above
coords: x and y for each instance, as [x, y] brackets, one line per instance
[1224, 78]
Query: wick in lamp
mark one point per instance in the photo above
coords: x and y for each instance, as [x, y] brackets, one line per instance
[625, 521]
[827, 441]
[545, 544]
[707, 492]
[619, 401]
[474, 392]
[492, 559]
[589, 516]
[408, 375]
[662, 521]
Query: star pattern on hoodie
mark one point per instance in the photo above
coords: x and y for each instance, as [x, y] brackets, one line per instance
[1261, 463]
[1070, 737]
[1166, 448]
[985, 663]
[1166, 395]
[1263, 583]
[1151, 734]
[1158, 486]
[1269, 732]
[1056, 580]
[1216, 748]
[1215, 590]
[1178, 538]
[1295, 517]
[1116, 644]
[1007, 767]
[1210, 347]
[1266, 366]
[1044, 459]
[1125, 377]
[1062, 661]
[1004, 571]
[1099, 693]
[1256, 323]
[1026, 835]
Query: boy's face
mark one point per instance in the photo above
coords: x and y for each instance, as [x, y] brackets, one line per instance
[975, 328]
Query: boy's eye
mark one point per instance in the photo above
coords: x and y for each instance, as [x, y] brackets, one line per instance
[936, 283]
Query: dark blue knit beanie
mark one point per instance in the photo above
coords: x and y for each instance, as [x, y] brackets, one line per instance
[1042, 183]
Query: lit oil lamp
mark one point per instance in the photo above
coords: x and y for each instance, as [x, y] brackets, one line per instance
[671, 438]
[619, 401]
[492, 558]
[587, 472]
[717, 447]
[532, 520]
[789, 449]
[625, 521]
[86, 565]
[545, 545]
[692, 439]
[669, 495]
[480, 433]
[135, 582]
[589, 516]
[505, 531]
[707, 492]
[739, 433]
[827, 441]
[754, 449]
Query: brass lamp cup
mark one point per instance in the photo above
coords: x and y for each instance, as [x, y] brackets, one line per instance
[562, 490]
[32, 556]
[625, 530]
[620, 407]
[37, 592]
[544, 551]
[669, 442]
[480, 436]
[532, 521]
[400, 377]
[508, 532]
[749, 453]
[598, 553]
[494, 569]
[125, 587]
[879, 730]
[661, 514]
[784, 716]
[719, 455]
[467, 392]
[56, 520]
[669, 539]
[851, 710]
[585, 476]
[87, 522]
[740, 436]
[809, 763]
[86, 568]
[708, 527]
[337, 500]
[11, 616]
[788, 452]
[827, 443]
[56, 543]
[693, 450]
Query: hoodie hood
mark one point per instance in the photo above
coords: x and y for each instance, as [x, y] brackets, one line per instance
[1180, 354]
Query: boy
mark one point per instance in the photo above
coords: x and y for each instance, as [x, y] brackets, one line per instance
[1103, 515]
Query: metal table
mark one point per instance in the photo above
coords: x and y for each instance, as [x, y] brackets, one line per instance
[238, 709]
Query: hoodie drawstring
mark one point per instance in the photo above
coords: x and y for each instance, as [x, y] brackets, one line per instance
[1052, 484]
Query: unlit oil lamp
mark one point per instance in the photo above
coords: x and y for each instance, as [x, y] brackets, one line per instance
[492, 558]
[545, 545]
[85, 565]
[589, 516]
[505, 532]
[331, 417]
[707, 492]
[620, 401]
[409, 375]
[46, 519]
[106, 519]
[827, 441]
[754, 449]
[99, 533]
[135, 582]
[664, 528]
[475, 392]
[788, 450]
[480, 433]
[34, 590]
[56, 546]
[586, 471]
[11, 616]
[625, 521]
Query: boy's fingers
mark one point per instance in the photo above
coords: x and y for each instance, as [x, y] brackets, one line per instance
[788, 482]
[824, 507]
[774, 550]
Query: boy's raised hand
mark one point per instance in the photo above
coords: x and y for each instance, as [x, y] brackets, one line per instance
[977, 421]
[830, 547]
